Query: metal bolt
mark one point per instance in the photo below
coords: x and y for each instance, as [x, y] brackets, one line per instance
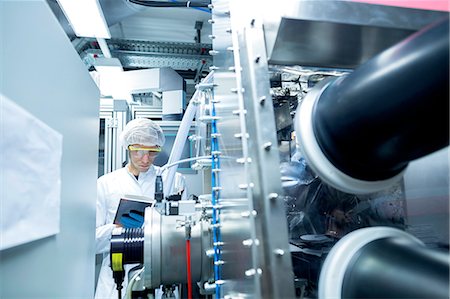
[252, 22]
[243, 160]
[213, 68]
[257, 58]
[279, 252]
[228, 30]
[211, 21]
[273, 196]
[267, 145]
[243, 186]
[250, 242]
[247, 243]
[240, 135]
[245, 214]
[212, 36]
[248, 213]
[252, 272]
[262, 100]
[239, 111]
[210, 6]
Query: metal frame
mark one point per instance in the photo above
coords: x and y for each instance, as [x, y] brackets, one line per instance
[239, 275]
[256, 259]
[271, 226]
[115, 114]
[255, 252]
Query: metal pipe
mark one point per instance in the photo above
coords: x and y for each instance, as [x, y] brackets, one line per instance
[104, 47]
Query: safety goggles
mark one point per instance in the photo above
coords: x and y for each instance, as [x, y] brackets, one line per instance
[141, 151]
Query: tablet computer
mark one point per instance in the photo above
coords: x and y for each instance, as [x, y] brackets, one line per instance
[129, 204]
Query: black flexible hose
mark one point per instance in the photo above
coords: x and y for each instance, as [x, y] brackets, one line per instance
[396, 268]
[391, 110]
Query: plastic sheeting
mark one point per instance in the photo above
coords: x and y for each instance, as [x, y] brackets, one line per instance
[313, 207]
[30, 178]
[319, 215]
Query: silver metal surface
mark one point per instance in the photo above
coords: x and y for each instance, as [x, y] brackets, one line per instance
[147, 111]
[252, 229]
[274, 270]
[427, 198]
[332, 45]
[165, 250]
[145, 54]
[339, 34]
[234, 201]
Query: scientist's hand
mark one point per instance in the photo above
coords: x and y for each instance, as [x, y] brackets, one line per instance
[133, 219]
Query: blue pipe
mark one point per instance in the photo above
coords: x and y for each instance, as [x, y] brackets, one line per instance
[215, 196]
[197, 8]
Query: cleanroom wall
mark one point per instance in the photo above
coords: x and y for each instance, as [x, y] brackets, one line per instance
[42, 73]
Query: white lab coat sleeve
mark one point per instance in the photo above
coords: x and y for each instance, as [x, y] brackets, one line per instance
[180, 186]
[103, 229]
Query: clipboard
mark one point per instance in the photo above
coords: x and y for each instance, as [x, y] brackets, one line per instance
[128, 204]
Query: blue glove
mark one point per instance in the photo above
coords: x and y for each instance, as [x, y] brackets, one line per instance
[134, 219]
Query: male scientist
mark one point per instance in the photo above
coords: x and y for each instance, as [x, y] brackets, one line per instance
[143, 139]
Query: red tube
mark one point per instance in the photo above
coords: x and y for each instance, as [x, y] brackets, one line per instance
[188, 263]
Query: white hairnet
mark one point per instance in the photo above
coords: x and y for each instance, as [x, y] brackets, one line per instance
[142, 131]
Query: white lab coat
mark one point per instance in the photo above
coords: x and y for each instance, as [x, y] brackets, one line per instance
[110, 188]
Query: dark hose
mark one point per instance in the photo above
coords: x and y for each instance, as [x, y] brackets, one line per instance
[396, 268]
[391, 110]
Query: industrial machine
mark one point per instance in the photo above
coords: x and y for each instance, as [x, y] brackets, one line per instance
[318, 127]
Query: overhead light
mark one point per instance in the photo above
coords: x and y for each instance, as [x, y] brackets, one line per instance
[86, 18]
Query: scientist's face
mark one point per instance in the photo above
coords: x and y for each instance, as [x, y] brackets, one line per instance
[142, 157]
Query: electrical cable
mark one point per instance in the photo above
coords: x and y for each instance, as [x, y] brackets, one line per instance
[188, 265]
[165, 167]
[132, 283]
[190, 4]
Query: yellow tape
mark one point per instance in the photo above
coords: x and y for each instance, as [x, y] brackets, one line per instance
[116, 260]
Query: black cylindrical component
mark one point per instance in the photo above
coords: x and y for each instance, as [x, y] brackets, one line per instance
[396, 268]
[391, 110]
[130, 243]
[159, 190]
